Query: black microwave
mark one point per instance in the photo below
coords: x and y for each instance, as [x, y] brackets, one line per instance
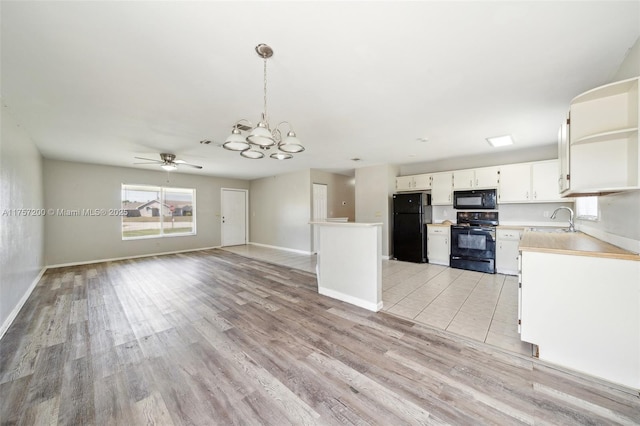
[479, 199]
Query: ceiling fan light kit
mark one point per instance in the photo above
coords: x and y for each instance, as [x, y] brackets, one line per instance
[262, 137]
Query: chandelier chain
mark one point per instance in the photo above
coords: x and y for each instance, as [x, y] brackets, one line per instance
[265, 91]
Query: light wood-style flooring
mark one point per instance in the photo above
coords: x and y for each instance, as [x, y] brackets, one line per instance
[482, 307]
[212, 337]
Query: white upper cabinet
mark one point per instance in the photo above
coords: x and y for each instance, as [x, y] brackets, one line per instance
[486, 177]
[603, 139]
[413, 183]
[422, 182]
[529, 183]
[535, 182]
[515, 183]
[441, 189]
[544, 181]
[463, 179]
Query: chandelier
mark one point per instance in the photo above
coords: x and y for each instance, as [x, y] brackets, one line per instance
[262, 137]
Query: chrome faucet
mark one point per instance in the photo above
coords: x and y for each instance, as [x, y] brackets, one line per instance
[572, 228]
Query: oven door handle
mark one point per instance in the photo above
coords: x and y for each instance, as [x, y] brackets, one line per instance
[475, 259]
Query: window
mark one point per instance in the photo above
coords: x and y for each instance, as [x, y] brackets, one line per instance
[154, 211]
[587, 208]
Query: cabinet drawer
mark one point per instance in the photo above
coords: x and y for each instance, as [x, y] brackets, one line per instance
[438, 231]
[508, 235]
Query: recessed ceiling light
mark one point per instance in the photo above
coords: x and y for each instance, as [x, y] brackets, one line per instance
[497, 141]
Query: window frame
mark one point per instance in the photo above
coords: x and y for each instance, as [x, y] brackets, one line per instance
[162, 191]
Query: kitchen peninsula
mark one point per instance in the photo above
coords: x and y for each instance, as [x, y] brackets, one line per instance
[349, 264]
[580, 304]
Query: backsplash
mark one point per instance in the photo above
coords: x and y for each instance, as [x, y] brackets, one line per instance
[531, 214]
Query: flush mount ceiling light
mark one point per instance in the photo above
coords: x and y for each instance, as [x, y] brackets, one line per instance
[497, 141]
[262, 137]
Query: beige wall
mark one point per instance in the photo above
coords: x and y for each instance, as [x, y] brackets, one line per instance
[22, 247]
[375, 186]
[70, 185]
[630, 66]
[279, 211]
[539, 153]
[340, 193]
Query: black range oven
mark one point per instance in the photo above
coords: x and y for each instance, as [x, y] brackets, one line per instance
[473, 241]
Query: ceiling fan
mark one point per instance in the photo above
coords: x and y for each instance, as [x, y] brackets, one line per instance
[168, 162]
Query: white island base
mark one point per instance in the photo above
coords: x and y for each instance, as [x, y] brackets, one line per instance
[350, 262]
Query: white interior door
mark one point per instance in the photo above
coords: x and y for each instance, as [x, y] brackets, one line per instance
[234, 217]
[319, 209]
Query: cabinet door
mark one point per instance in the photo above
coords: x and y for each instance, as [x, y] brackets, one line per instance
[463, 179]
[507, 251]
[438, 245]
[422, 182]
[544, 181]
[486, 177]
[441, 188]
[515, 183]
[404, 183]
[563, 156]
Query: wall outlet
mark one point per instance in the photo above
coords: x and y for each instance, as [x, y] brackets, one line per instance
[545, 214]
[378, 214]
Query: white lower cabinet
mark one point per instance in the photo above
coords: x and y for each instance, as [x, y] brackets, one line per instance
[583, 313]
[438, 244]
[507, 250]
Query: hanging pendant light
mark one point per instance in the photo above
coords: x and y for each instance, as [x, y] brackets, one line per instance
[261, 136]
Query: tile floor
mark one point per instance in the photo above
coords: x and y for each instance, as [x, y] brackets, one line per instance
[483, 307]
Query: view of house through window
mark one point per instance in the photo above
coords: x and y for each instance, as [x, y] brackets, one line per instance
[154, 211]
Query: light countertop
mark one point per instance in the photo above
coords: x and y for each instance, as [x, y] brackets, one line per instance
[572, 243]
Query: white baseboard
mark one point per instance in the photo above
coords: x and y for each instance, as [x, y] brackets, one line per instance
[88, 262]
[371, 306]
[282, 248]
[14, 313]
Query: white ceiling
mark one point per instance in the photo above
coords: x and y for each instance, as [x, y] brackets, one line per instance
[103, 82]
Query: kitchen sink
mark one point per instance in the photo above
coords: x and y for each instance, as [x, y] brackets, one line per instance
[550, 230]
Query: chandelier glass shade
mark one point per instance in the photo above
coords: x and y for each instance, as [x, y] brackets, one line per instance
[262, 137]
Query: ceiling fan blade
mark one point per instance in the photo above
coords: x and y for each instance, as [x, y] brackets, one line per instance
[191, 165]
[180, 162]
[149, 159]
[154, 163]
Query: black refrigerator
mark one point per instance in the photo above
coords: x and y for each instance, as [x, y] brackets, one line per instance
[411, 213]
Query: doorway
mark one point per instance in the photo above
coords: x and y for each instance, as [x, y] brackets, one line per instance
[234, 217]
[319, 209]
